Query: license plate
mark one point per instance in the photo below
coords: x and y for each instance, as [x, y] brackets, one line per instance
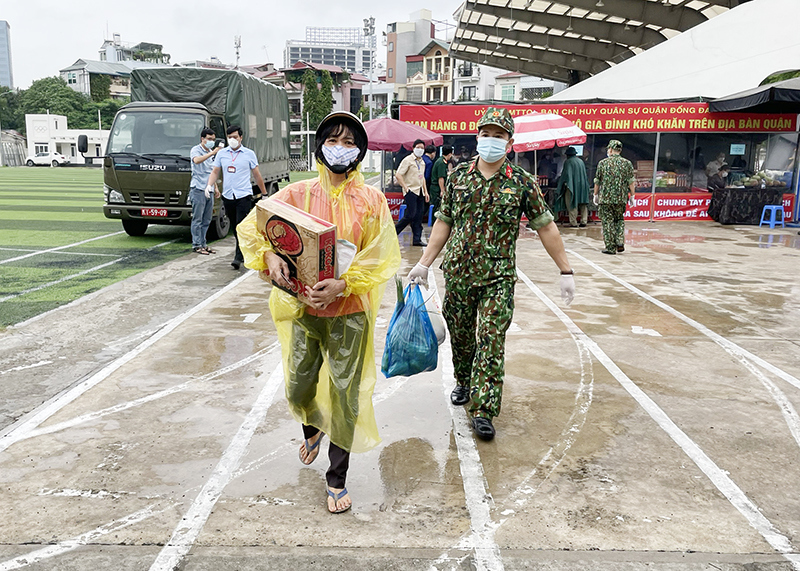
[157, 212]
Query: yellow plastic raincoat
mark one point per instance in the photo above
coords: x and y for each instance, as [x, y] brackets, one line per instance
[362, 216]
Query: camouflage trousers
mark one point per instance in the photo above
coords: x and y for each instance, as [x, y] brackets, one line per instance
[613, 222]
[478, 318]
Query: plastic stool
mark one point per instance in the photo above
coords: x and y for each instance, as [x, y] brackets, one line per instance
[773, 219]
[430, 215]
[401, 212]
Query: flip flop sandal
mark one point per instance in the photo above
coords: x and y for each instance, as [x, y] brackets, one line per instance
[210, 250]
[336, 497]
[200, 251]
[310, 448]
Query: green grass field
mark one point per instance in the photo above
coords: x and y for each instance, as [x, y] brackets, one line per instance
[44, 208]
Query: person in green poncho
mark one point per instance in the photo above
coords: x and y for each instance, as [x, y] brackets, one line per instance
[573, 189]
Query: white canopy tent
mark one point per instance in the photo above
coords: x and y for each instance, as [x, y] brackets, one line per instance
[735, 51]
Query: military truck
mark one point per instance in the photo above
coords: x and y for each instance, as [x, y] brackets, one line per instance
[147, 169]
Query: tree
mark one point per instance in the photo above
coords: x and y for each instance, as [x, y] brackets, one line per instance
[100, 87]
[325, 94]
[53, 95]
[11, 116]
[310, 100]
[781, 76]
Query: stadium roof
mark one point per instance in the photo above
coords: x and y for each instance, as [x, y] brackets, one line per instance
[715, 59]
[571, 40]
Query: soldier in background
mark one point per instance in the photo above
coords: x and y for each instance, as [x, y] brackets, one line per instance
[614, 186]
[479, 216]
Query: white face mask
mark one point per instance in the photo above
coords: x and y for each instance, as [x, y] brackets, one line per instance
[209, 144]
[418, 152]
[234, 143]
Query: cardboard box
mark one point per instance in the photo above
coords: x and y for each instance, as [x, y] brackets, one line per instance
[305, 242]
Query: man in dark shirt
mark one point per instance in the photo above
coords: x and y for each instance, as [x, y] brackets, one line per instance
[439, 174]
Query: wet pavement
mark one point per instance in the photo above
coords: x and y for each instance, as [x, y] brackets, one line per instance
[651, 425]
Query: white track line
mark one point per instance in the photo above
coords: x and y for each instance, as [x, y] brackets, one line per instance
[65, 278]
[718, 477]
[192, 523]
[788, 411]
[36, 253]
[24, 367]
[557, 452]
[21, 430]
[729, 346]
[84, 272]
[71, 544]
[84, 418]
[479, 500]
[62, 253]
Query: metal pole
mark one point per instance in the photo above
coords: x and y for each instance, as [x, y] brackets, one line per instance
[380, 170]
[308, 139]
[655, 169]
[99, 122]
[1, 146]
[795, 182]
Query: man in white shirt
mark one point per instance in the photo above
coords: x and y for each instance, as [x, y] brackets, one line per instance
[411, 176]
[236, 163]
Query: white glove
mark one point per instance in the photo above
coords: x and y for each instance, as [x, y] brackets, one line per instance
[631, 202]
[209, 191]
[596, 199]
[419, 275]
[567, 288]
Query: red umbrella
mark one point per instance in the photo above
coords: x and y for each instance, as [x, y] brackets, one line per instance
[387, 134]
[545, 131]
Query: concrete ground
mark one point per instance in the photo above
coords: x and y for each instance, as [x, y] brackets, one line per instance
[651, 425]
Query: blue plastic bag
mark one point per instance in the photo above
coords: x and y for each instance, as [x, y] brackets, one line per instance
[411, 345]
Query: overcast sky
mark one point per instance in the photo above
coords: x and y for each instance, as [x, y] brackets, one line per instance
[47, 36]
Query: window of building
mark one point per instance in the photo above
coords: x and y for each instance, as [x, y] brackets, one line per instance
[72, 77]
[40, 148]
[414, 93]
[507, 92]
[391, 46]
[413, 67]
[390, 72]
[469, 93]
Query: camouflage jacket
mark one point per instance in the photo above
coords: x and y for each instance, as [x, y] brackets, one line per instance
[614, 176]
[484, 216]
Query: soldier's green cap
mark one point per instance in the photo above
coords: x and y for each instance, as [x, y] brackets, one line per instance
[498, 116]
[614, 145]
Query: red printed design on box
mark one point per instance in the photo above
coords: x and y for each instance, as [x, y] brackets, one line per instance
[306, 243]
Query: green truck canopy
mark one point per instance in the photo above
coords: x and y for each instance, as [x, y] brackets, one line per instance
[259, 108]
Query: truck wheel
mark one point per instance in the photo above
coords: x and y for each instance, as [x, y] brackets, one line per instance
[29, 163]
[134, 227]
[273, 188]
[219, 226]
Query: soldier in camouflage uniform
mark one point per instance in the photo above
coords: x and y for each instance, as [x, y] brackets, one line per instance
[481, 207]
[614, 186]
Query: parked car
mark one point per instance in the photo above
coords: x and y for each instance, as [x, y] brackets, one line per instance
[52, 159]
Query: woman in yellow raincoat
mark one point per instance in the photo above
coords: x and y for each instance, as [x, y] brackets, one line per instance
[327, 340]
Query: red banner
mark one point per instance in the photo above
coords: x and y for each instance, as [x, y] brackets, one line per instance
[788, 207]
[608, 118]
[395, 200]
[669, 206]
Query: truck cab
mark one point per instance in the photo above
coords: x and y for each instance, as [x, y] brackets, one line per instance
[147, 169]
